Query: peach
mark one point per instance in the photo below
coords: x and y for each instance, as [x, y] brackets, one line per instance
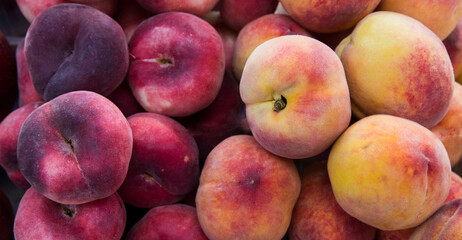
[245, 192]
[395, 65]
[9, 133]
[197, 7]
[72, 47]
[296, 96]
[27, 92]
[75, 148]
[32, 8]
[177, 64]
[8, 86]
[259, 31]
[449, 130]
[164, 166]
[453, 44]
[446, 223]
[219, 120]
[236, 14]
[392, 167]
[41, 218]
[440, 16]
[176, 221]
[317, 214]
[6, 217]
[328, 16]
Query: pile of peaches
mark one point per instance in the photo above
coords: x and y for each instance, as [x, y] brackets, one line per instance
[228, 119]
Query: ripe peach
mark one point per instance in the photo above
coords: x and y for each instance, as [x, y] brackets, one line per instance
[245, 192]
[177, 64]
[317, 214]
[395, 65]
[164, 166]
[129, 15]
[9, 133]
[75, 148]
[176, 221]
[296, 96]
[449, 130]
[257, 32]
[41, 218]
[123, 98]
[439, 16]
[389, 172]
[328, 16]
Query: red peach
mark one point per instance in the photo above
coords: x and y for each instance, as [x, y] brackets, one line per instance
[27, 92]
[236, 14]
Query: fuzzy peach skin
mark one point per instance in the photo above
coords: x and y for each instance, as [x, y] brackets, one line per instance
[389, 172]
[257, 32]
[174, 221]
[32, 8]
[41, 218]
[9, 133]
[177, 62]
[449, 130]
[440, 16]
[455, 192]
[328, 16]
[395, 65]
[197, 7]
[308, 79]
[446, 223]
[317, 214]
[75, 148]
[453, 44]
[245, 192]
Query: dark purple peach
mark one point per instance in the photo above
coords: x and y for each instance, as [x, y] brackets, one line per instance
[75, 148]
[164, 166]
[177, 64]
[176, 221]
[41, 218]
[72, 47]
[9, 133]
[129, 15]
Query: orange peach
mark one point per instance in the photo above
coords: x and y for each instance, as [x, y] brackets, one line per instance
[257, 32]
[317, 214]
[296, 96]
[453, 44]
[328, 16]
[440, 16]
[389, 172]
[395, 65]
[245, 192]
[449, 130]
